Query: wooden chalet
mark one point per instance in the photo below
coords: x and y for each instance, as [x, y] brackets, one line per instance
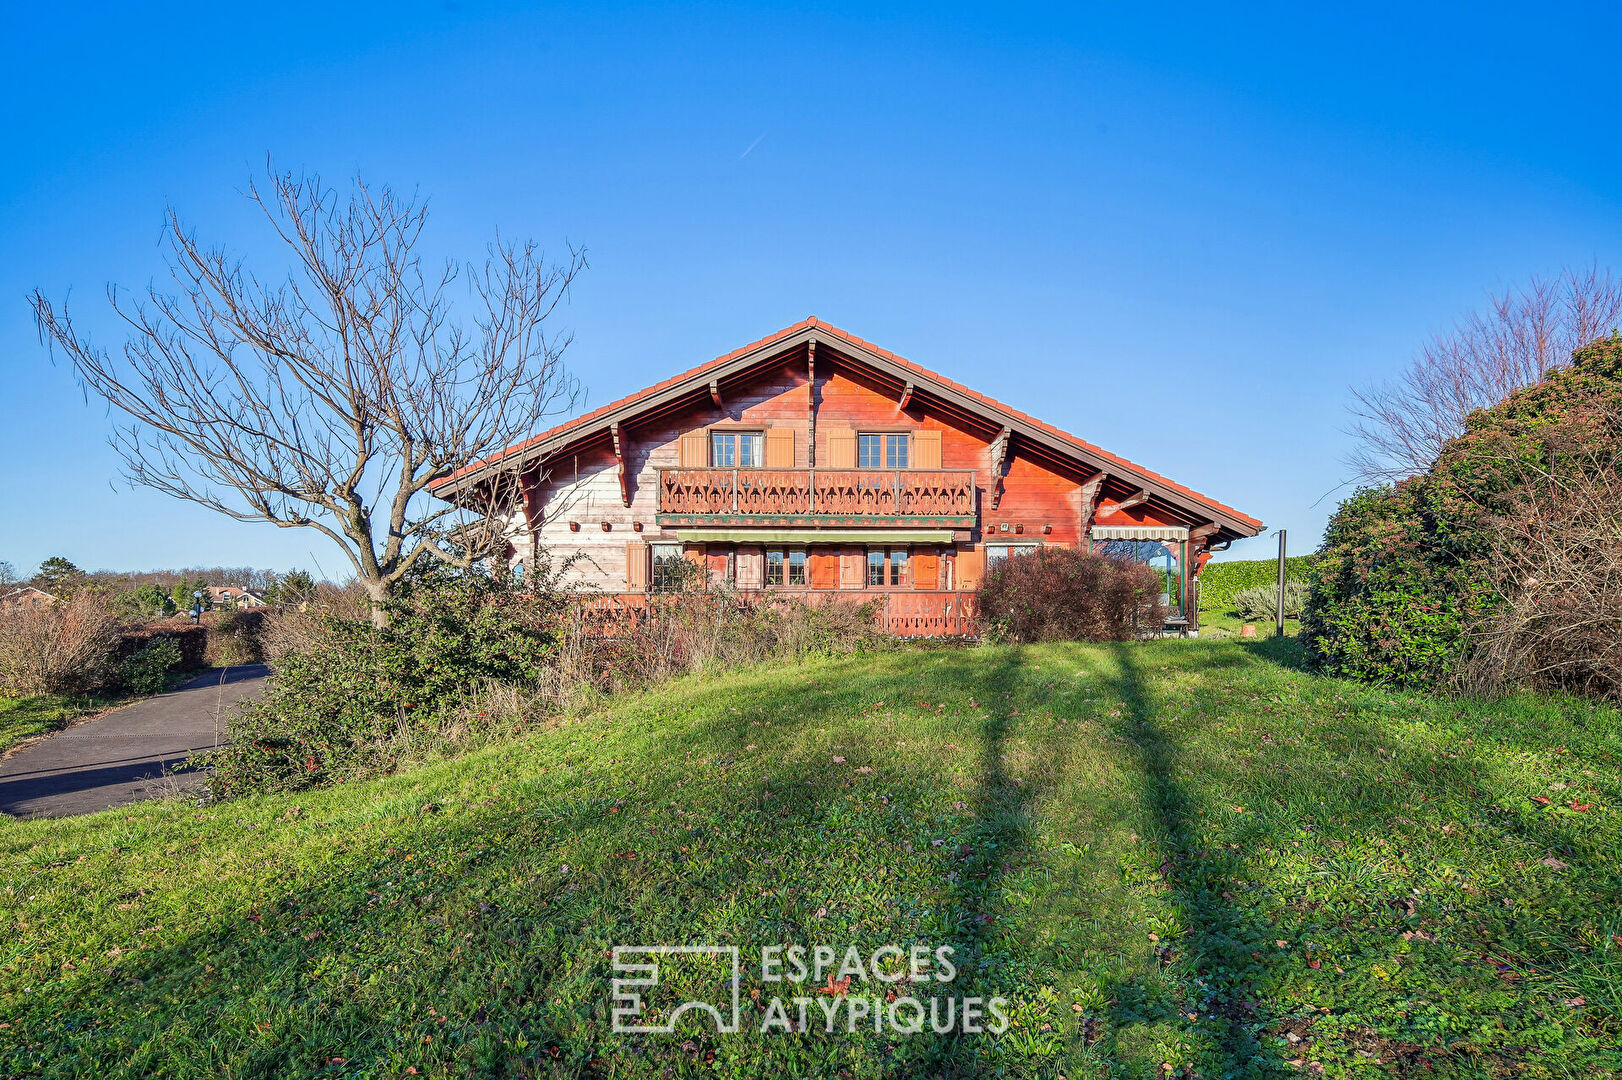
[814, 462]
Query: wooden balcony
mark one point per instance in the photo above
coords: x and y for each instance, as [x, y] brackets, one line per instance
[780, 497]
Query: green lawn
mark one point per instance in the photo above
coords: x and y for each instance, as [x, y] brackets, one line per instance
[1182, 852]
[24, 717]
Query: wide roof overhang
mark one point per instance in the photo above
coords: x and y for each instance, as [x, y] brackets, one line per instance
[695, 384]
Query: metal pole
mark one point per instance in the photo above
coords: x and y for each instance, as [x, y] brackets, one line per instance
[1282, 533]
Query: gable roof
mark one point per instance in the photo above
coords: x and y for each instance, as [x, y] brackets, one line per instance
[601, 419]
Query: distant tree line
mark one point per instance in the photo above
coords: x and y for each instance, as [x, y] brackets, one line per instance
[156, 594]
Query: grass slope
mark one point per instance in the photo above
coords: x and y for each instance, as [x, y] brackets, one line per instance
[39, 714]
[1183, 852]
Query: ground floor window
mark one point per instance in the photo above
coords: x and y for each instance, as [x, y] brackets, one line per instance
[996, 553]
[886, 567]
[785, 567]
[1166, 557]
[668, 566]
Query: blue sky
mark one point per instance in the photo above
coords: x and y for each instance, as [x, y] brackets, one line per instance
[1180, 237]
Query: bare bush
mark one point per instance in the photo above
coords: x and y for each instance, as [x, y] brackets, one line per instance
[295, 628]
[1559, 569]
[1400, 426]
[605, 648]
[1060, 594]
[60, 648]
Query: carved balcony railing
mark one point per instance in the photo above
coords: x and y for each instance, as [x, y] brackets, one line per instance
[778, 496]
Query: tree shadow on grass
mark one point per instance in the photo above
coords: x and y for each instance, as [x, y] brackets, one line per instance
[1219, 944]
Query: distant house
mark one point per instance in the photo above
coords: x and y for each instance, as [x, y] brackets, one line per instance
[27, 598]
[229, 596]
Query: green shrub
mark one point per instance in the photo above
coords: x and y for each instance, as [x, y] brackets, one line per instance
[1261, 601]
[1409, 577]
[148, 670]
[1062, 594]
[1220, 582]
[361, 697]
[233, 638]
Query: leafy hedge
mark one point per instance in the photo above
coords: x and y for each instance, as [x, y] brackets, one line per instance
[1408, 575]
[1220, 582]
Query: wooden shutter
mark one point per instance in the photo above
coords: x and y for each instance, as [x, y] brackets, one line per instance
[842, 448]
[926, 449]
[636, 566]
[780, 448]
[971, 564]
[824, 568]
[853, 568]
[693, 450]
[925, 570]
[751, 567]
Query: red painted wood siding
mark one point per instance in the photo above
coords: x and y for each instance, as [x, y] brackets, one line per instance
[584, 487]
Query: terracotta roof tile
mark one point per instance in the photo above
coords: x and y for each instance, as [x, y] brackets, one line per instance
[834, 331]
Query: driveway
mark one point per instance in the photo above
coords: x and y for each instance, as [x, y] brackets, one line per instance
[121, 757]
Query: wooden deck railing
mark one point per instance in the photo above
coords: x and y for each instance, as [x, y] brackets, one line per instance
[909, 613]
[845, 492]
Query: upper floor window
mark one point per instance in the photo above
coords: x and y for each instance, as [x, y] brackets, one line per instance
[737, 449]
[881, 451]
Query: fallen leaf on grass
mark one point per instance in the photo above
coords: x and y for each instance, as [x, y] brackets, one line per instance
[1553, 863]
[1581, 807]
[1575, 1003]
[1542, 800]
[836, 988]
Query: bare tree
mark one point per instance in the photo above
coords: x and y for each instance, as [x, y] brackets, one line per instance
[334, 398]
[1400, 426]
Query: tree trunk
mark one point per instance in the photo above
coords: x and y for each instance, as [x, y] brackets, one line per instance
[378, 593]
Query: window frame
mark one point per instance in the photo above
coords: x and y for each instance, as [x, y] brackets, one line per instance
[789, 559]
[657, 581]
[886, 446]
[1008, 549]
[735, 438]
[894, 568]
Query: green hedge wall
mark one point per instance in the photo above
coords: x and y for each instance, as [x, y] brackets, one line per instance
[1219, 581]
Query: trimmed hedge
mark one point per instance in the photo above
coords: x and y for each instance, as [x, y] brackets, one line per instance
[1220, 582]
[192, 642]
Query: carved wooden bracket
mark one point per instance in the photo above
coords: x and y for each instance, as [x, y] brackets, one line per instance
[906, 399]
[999, 460]
[1091, 492]
[1135, 499]
[715, 393]
[619, 458]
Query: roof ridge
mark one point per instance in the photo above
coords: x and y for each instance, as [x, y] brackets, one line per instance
[811, 321]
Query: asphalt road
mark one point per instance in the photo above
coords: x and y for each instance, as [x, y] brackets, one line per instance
[122, 757]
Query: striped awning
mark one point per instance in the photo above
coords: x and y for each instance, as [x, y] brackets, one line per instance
[814, 536]
[1139, 532]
